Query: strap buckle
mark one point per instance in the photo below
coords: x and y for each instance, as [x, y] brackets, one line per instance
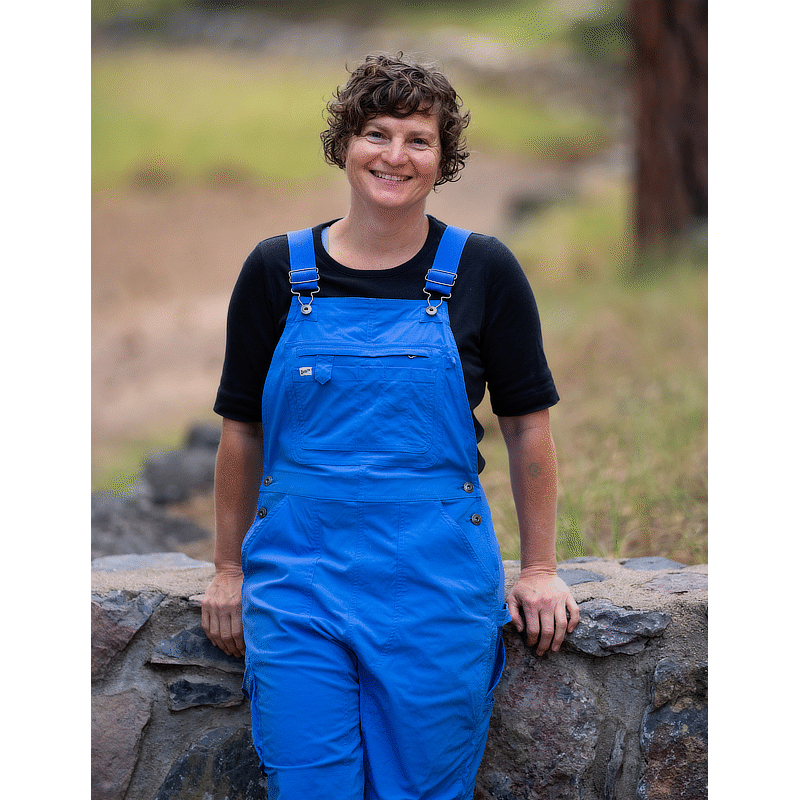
[440, 281]
[306, 277]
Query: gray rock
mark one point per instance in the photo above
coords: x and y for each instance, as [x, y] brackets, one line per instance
[675, 746]
[674, 737]
[678, 582]
[203, 436]
[122, 525]
[115, 619]
[178, 475]
[185, 694]
[653, 563]
[118, 722]
[673, 682]
[193, 648]
[606, 629]
[146, 561]
[574, 576]
[223, 763]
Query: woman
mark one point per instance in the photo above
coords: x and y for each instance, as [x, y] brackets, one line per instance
[370, 582]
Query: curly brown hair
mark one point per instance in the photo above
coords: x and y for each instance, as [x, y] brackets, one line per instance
[384, 84]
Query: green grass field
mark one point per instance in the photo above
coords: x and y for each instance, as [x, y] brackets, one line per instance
[195, 118]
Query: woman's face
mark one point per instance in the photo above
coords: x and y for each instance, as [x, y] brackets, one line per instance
[394, 162]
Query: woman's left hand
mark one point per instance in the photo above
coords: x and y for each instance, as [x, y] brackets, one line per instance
[539, 603]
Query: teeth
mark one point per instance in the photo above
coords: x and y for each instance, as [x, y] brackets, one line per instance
[389, 177]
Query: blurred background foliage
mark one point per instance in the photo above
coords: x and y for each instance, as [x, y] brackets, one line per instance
[198, 115]
[625, 329]
[597, 29]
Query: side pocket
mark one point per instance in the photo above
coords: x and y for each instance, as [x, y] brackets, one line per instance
[471, 519]
[268, 505]
[497, 667]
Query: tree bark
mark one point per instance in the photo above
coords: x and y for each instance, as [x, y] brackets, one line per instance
[670, 94]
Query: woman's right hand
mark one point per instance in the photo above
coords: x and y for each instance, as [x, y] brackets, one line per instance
[222, 612]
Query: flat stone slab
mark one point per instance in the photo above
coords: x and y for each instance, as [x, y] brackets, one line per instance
[606, 629]
[185, 694]
[573, 577]
[193, 648]
[678, 582]
[130, 563]
[653, 563]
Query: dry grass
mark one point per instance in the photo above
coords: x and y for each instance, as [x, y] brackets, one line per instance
[630, 362]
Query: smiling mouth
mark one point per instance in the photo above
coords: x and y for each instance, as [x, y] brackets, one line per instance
[387, 177]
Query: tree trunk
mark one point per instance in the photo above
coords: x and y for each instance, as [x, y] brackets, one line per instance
[670, 94]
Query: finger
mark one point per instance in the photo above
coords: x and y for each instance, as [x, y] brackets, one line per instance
[231, 636]
[561, 628]
[532, 626]
[516, 617]
[215, 628]
[227, 636]
[238, 638]
[574, 614]
[546, 635]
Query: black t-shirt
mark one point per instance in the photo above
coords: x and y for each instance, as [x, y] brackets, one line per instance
[493, 316]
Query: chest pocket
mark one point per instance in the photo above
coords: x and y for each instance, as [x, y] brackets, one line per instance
[352, 406]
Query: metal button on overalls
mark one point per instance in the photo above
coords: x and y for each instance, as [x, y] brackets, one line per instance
[371, 604]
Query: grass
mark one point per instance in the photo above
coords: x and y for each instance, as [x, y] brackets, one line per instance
[181, 117]
[178, 117]
[629, 357]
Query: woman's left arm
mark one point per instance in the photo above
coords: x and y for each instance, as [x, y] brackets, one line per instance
[539, 600]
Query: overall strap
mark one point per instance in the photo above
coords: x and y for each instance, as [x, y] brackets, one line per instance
[303, 272]
[442, 275]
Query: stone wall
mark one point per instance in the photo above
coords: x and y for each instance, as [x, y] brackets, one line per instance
[620, 713]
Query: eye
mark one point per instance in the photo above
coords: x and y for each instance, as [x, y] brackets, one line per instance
[373, 135]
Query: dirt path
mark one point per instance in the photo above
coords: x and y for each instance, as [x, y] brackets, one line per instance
[164, 264]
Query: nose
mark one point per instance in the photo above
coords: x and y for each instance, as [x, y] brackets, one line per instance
[395, 152]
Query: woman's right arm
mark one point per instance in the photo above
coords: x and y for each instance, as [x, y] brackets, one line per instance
[237, 480]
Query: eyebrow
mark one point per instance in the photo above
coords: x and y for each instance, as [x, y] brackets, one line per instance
[412, 133]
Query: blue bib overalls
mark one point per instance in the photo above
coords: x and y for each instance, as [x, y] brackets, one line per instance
[373, 583]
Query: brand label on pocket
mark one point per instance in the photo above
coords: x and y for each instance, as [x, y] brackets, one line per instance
[306, 370]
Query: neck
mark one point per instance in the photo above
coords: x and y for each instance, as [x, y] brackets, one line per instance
[377, 240]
